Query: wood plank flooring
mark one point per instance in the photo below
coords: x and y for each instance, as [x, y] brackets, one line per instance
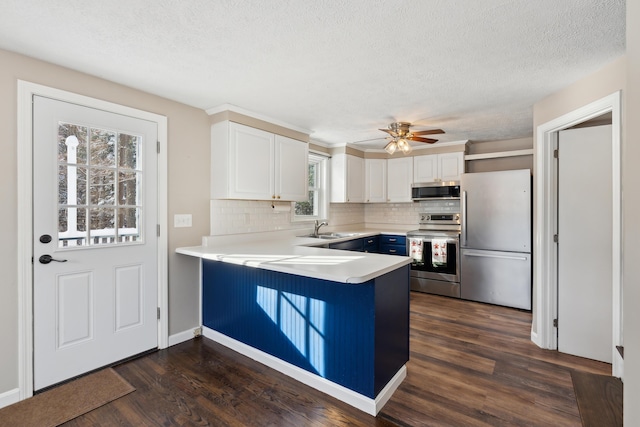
[471, 364]
[599, 399]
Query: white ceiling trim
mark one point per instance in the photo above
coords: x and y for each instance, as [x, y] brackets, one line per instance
[258, 116]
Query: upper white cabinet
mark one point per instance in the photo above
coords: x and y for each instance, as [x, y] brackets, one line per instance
[399, 179]
[451, 166]
[251, 164]
[375, 180]
[347, 179]
[291, 169]
[438, 167]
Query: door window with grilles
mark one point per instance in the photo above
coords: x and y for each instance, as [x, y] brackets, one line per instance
[99, 182]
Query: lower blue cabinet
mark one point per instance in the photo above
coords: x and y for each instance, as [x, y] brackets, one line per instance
[371, 244]
[349, 245]
[392, 244]
[355, 335]
[389, 244]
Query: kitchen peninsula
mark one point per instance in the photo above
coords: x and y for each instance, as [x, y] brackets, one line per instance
[335, 320]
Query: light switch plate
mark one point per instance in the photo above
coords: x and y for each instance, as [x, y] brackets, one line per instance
[182, 220]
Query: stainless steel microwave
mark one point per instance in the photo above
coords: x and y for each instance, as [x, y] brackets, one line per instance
[435, 190]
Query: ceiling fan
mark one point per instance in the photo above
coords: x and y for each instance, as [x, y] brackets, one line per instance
[401, 134]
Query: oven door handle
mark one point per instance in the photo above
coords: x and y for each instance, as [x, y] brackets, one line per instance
[463, 223]
[427, 238]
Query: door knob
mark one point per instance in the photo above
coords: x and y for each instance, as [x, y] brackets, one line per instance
[46, 259]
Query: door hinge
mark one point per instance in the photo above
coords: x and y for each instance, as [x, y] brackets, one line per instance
[158, 313]
[555, 153]
[555, 323]
[158, 229]
[555, 238]
[158, 146]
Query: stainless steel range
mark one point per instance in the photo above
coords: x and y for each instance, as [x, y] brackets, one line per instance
[435, 249]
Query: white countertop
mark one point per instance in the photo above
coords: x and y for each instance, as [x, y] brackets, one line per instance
[285, 253]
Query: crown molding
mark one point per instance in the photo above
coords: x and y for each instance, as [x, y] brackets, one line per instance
[258, 116]
[415, 148]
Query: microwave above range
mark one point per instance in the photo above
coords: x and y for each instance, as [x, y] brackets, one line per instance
[449, 190]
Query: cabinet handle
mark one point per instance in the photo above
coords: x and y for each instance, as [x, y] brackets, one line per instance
[393, 240]
[278, 197]
[392, 251]
[273, 197]
[369, 241]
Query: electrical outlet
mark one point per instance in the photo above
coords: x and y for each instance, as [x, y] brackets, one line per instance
[182, 220]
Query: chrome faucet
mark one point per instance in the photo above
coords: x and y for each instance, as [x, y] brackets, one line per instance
[317, 227]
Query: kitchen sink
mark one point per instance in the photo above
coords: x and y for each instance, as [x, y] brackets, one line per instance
[326, 236]
[329, 236]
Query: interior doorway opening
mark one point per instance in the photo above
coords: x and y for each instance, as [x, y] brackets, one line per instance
[543, 331]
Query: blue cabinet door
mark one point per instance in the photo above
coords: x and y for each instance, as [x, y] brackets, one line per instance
[371, 244]
[349, 245]
[392, 244]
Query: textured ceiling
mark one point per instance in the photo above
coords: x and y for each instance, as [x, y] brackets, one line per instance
[339, 68]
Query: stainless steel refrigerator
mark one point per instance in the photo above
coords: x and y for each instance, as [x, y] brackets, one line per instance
[495, 239]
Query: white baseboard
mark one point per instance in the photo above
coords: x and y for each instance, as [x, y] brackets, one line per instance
[357, 400]
[9, 397]
[181, 337]
[535, 339]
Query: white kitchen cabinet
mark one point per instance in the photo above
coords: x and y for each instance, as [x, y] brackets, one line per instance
[252, 164]
[291, 169]
[438, 167]
[375, 180]
[450, 166]
[399, 179]
[347, 179]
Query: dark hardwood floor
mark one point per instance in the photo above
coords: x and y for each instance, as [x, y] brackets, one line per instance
[471, 365]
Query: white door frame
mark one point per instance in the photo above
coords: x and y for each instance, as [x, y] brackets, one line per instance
[26, 91]
[543, 332]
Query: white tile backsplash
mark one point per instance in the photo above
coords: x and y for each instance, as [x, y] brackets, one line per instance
[406, 213]
[346, 213]
[251, 216]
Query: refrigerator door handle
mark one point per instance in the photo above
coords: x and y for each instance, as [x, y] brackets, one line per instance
[463, 224]
[477, 254]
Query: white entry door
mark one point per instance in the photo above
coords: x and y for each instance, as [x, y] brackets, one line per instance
[585, 232]
[95, 246]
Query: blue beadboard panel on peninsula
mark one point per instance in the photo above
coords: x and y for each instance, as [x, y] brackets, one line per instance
[353, 335]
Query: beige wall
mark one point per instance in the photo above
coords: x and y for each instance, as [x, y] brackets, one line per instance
[188, 154]
[603, 82]
[500, 163]
[631, 225]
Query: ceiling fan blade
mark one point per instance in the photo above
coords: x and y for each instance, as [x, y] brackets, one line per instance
[427, 140]
[389, 131]
[428, 132]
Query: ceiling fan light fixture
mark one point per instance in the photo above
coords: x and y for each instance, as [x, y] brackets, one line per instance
[391, 147]
[404, 146]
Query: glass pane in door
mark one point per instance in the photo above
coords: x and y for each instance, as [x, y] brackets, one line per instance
[99, 177]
